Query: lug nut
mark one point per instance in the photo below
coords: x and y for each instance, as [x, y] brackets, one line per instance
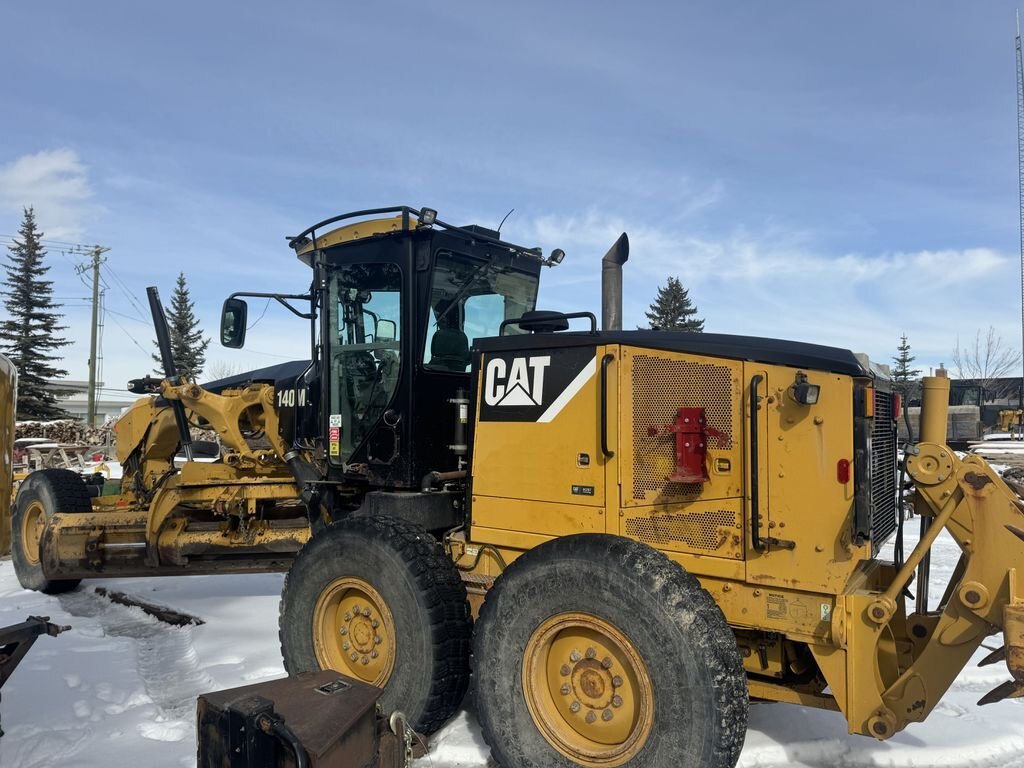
[591, 653]
[566, 689]
[606, 662]
[616, 681]
[374, 653]
[574, 656]
[616, 701]
[366, 660]
[366, 612]
[607, 715]
[374, 623]
[348, 616]
[591, 716]
[345, 646]
[354, 656]
[344, 631]
[565, 670]
[376, 639]
[574, 707]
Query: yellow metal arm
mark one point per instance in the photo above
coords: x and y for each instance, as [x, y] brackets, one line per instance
[917, 657]
[225, 413]
[970, 501]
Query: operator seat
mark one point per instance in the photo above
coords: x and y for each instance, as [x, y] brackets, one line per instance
[449, 349]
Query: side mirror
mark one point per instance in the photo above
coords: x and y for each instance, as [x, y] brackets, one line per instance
[385, 330]
[232, 323]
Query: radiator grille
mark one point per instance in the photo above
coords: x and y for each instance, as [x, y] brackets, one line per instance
[883, 471]
[660, 388]
[715, 531]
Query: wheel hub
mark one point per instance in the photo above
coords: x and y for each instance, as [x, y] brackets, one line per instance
[592, 684]
[588, 690]
[353, 631]
[33, 525]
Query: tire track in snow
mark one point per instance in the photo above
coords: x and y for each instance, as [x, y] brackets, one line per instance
[165, 656]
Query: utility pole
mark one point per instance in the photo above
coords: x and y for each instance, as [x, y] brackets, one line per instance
[94, 264]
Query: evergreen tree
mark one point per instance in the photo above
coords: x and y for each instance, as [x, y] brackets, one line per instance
[904, 378]
[187, 343]
[30, 337]
[672, 310]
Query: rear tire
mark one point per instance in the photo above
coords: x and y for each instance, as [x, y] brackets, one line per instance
[598, 651]
[382, 589]
[42, 495]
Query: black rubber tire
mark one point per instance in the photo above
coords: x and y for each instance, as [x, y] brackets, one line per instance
[59, 491]
[697, 677]
[424, 593]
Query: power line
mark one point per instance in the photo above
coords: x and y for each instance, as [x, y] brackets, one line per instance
[47, 242]
[132, 338]
[123, 287]
[129, 317]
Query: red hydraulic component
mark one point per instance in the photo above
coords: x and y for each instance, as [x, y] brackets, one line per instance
[692, 432]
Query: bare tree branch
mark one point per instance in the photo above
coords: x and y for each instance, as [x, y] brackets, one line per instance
[986, 360]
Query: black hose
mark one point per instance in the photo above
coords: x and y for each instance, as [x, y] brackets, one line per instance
[906, 420]
[280, 729]
[481, 548]
[898, 544]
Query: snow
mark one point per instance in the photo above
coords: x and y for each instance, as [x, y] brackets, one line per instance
[120, 687]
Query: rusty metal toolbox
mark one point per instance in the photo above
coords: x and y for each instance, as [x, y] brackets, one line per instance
[319, 720]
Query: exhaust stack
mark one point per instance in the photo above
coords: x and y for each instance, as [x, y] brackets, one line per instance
[611, 284]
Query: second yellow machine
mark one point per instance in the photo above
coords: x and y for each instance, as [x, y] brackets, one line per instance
[649, 528]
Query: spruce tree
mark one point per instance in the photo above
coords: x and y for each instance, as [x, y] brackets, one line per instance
[672, 310]
[187, 343]
[30, 336]
[904, 378]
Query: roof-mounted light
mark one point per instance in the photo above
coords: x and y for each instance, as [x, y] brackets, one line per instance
[427, 217]
[556, 257]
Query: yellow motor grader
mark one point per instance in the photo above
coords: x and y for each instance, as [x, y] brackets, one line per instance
[635, 532]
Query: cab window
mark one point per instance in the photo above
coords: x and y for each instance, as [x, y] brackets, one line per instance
[365, 319]
[469, 299]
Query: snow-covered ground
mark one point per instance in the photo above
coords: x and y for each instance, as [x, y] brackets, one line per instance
[119, 689]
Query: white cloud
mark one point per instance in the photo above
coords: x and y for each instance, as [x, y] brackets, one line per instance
[56, 184]
[784, 284]
[743, 255]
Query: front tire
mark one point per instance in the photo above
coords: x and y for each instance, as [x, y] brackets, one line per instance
[375, 598]
[42, 495]
[598, 651]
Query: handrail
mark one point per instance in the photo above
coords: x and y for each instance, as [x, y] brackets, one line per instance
[755, 501]
[406, 211]
[553, 316]
[605, 362]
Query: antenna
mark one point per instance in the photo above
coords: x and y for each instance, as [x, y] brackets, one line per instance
[1020, 198]
[504, 220]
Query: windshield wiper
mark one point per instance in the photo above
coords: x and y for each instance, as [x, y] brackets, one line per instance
[466, 286]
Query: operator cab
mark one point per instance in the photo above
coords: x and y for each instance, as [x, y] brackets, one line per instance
[395, 305]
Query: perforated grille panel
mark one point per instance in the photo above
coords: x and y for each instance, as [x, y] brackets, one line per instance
[692, 531]
[660, 388]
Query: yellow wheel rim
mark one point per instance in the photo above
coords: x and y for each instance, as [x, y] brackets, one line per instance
[588, 690]
[353, 632]
[33, 523]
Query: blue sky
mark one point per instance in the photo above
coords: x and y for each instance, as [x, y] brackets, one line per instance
[835, 173]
